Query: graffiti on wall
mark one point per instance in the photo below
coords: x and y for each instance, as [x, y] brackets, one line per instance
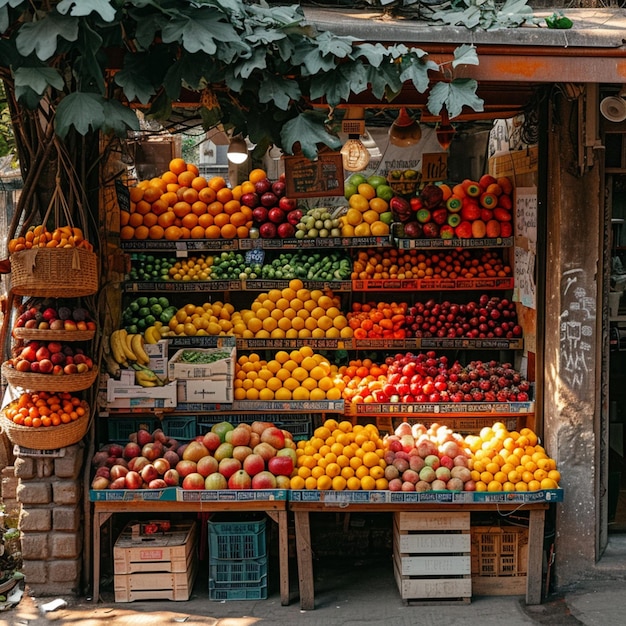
[576, 325]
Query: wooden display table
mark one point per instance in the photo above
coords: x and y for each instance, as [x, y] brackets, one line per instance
[275, 509]
[302, 510]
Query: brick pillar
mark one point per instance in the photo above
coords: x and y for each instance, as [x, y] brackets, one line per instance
[49, 491]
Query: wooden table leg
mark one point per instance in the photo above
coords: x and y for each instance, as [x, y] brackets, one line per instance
[98, 520]
[305, 560]
[280, 517]
[534, 576]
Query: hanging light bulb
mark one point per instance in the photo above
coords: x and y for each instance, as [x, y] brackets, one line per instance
[355, 155]
[237, 150]
[445, 131]
[404, 131]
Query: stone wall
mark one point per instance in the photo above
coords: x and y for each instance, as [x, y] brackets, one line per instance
[49, 491]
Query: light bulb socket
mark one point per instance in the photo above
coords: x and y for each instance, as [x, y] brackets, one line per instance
[237, 150]
[354, 155]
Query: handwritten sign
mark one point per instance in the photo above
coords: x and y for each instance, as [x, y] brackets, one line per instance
[323, 177]
[526, 214]
[434, 166]
[123, 195]
[525, 288]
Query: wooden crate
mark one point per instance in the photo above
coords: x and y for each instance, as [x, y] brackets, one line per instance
[499, 560]
[170, 551]
[431, 555]
[155, 566]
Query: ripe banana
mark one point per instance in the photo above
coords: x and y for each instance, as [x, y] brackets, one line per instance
[136, 344]
[126, 339]
[146, 377]
[117, 349]
[152, 334]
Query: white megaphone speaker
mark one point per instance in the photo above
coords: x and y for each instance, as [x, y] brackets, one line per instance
[613, 108]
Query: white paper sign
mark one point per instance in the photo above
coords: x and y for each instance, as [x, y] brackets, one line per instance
[525, 291]
[526, 215]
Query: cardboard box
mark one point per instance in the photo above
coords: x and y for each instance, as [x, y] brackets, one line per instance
[222, 370]
[158, 357]
[124, 393]
[204, 390]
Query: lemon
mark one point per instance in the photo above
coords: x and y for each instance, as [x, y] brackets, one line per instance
[353, 217]
[362, 230]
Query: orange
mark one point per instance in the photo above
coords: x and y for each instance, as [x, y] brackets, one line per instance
[199, 207]
[127, 232]
[185, 233]
[224, 195]
[379, 205]
[247, 187]
[204, 220]
[197, 232]
[135, 219]
[172, 187]
[190, 195]
[169, 198]
[159, 206]
[216, 183]
[185, 179]
[190, 220]
[169, 177]
[199, 182]
[229, 231]
[173, 233]
[181, 209]
[207, 195]
[178, 166]
[150, 219]
[167, 219]
[156, 232]
[230, 206]
[212, 232]
[142, 232]
[238, 219]
[215, 208]
[158, 182]
[256, 175]
[136, 194]
[143, 207]
[242, 232]
[193, 169]
[124, 217]
[151, 194]
[237, 193]
[221, 219]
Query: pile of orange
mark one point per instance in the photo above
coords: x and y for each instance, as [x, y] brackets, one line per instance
[202, 320]
[41, 237]
[296, 313]
[362, 378]
[510, 461]
[181, 204]
[392, 263]
[362, 219]
[341, 456]
[45, 408]
[297, 375]
[378, 320]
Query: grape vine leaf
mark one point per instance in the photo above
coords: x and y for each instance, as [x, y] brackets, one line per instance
[102, 7]
[454, 96]
[279, 91]
[118, 118]
[37, 79]
[307, 131]
[84, 111]
[133, 80]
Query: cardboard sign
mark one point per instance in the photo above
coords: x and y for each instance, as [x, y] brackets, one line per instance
[434, 166]
[323, 177]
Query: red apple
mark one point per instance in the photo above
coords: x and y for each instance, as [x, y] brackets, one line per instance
[171, 478]
[195, 451]
[253, 464]
[274, 436]
[287, 204]
[161, 465]
[46, 366]
[149, 472]
[264, 480]
[207, 465]
[275, 215]
[241, 452]
[55, 346]
[280, 465]
[131, 450]
[265, 450]
[186, 467]
[70, 368]
[228, 466]
[240, 480]
[286, 230]
[193, 481]
[137, 463]
[211, 441]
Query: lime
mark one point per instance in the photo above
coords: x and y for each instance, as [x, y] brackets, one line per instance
[386, 217]
[375, 180]
[349, 190]
[142, 301]
[164, 302]
[156, 309]
[357, 179]
[385, 192]
[143, 311]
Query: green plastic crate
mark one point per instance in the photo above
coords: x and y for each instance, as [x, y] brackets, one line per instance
[237, 593]
[236, 573]
[234, 540]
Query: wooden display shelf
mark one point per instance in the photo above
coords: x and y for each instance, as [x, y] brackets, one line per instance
[432, 284]
[201, 286]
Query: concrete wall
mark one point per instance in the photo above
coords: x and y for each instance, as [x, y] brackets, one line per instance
[573, 340]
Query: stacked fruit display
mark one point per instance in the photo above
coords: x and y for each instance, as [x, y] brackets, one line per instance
[372, 264]
[44, 408]
[341, 456]
[41, 237]
[471, 209]
[274, 214]
[378, 320]
[53, 315]
[297, 375]
[180, 204]
[309, 265]
[143, 312]
[318, 222]
[427, 459]
[50, 357]
[127, 350]
[486, 318]
[428, 378]
[368, 211]
[150, 267]
[249, 456]
[503, 460]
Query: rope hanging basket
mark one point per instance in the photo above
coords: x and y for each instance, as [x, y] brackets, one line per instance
[49, 382]
[52, 335]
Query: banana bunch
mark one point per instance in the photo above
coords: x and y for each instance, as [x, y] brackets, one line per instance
[152, 334]
[145, 377]
[128, 348]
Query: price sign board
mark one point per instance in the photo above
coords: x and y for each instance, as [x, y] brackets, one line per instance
[323, 177]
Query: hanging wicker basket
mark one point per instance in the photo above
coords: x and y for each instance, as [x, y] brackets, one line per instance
[46, 437]
[49, 382]
[52, 335]
[54, 272]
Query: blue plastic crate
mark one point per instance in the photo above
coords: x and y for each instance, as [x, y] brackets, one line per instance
[236, 539]
[234, 574]
[119, 429]
[180, 428]
[237, 593]
[299, 430]
[206, 422]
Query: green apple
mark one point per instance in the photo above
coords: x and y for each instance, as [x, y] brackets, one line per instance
[375, 180]
[385, 192]
[386, 217]
[349, 190]
[357, 179]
